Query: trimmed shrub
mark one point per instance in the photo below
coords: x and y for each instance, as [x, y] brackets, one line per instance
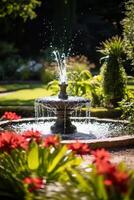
[112, 71]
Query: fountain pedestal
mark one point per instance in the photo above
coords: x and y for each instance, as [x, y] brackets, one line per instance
[63, 123]
[62, 106]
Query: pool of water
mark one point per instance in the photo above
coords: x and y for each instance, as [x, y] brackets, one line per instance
[86, 130]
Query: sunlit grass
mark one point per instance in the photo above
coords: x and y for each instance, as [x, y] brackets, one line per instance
[24, 96]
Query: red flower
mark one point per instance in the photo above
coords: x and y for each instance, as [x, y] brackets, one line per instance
[10, 141]
[108, 182]
[79, 148]
[31, 134]
[105, 168]
[34, 183]
[51, 140]
[101, 154]
[121, 180]
[11, 116]
[112, 175]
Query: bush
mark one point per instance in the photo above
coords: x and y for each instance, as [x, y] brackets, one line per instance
[127, 106]
[30, 70]
[78, 63]
[9, 61]
[48, 72]
[9, 66]
[112, 71]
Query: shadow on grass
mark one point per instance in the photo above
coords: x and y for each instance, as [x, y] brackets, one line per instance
[17, 87]
[16, 102]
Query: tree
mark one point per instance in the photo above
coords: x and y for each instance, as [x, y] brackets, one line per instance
[128, 25]
[22, 8]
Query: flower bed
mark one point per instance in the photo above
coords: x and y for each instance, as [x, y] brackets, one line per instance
[32, 167]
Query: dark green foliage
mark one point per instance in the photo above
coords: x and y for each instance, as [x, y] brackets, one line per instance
[9, 66]
[89, 21]
[113, 113]
[9, 61]
[7, 49]
[11, 172]
[127, 106]
[128, 25]
[112, 71]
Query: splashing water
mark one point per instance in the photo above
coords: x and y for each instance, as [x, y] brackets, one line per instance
[61, 62]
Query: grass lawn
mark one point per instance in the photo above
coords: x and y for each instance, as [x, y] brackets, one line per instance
[13, 87]
[25, 94]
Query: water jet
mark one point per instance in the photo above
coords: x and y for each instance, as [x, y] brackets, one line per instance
[63, 105]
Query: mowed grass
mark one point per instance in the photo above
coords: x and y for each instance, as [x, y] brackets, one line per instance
[24, 96]
[13, 87]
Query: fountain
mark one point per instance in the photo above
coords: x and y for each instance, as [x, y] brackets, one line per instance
[64, 115]
[63, 105]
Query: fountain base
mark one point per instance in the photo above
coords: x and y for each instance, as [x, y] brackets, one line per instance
[62, 109]
[63, 127]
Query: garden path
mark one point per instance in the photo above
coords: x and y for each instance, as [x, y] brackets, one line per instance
[125, 155]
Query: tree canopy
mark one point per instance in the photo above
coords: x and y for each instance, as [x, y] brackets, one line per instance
[22, 8]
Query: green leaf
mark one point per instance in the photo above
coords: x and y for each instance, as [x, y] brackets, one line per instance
[57, 158]
[101, 188]
[33, 156]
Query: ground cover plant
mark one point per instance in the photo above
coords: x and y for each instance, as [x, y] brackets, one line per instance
[36, 167]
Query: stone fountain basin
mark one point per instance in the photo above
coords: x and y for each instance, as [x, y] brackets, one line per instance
[56, 102]
[110, 142]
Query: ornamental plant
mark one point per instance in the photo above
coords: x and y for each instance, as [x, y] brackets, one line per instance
[81, 84]
[112, 71]
[32, 167]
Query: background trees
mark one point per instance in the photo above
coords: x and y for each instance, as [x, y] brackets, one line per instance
[128, 25]
[86, 24]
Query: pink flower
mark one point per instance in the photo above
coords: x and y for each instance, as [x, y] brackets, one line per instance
[11, 116]
[79, 148]
[35, 183]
